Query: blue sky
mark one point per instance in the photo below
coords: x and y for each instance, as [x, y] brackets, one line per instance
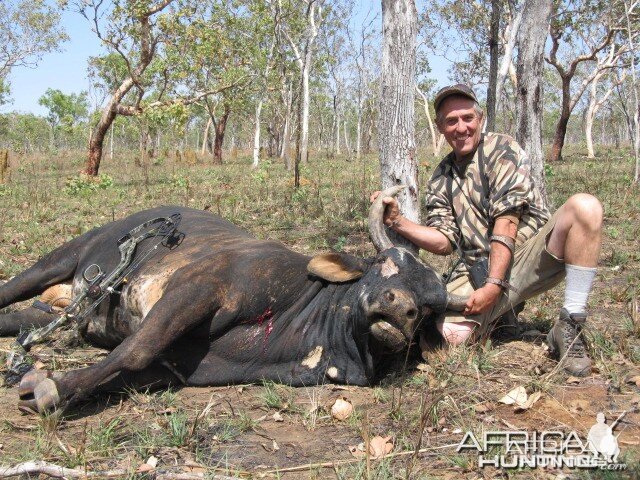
[67, 70]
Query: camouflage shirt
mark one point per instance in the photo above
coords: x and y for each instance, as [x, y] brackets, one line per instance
[511, 192]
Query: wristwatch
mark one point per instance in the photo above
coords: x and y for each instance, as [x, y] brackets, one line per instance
[496, 281]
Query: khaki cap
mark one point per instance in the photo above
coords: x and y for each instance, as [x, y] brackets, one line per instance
[458, 89]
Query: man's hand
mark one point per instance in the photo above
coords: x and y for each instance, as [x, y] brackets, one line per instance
[483, 299]
[391, 211]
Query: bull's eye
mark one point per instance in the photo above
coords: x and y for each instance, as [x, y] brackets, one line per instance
[412, 313]
[389, 296]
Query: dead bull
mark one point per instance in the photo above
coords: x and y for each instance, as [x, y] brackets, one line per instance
[224, 307]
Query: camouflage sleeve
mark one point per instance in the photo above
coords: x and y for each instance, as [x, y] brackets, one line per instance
[509, 177]
[439, 212]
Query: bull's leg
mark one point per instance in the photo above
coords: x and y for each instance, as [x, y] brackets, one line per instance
[153, 377]
[178, 311]
[11, 324]
[53, 268]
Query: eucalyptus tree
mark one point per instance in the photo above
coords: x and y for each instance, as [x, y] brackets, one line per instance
[134, 32]
[630, 12]
[396, 133]
[65, 110]
[160, 44]
[530, 66]
[473, 35]
[266, 17]
[600, 90]
[301, 21]
[29, 29]
[364, 58]
[335, 51]
[222, 51]
[580, 32]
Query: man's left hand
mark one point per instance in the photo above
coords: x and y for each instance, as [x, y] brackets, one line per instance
[483, 299]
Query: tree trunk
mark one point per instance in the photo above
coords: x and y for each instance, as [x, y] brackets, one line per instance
[359, 132]
[347, 144]
[205, 138]
[304, 116]
[336, 125]
[588, 129]
[4, 166]
[432, 130]
[533, 34]
[286, 135]
[396, 143]
[221, 126]
[563, 121]
[256, 135]
[493, 64]
[628, 9]
[506, 66]
[111, 144]
[100, 130]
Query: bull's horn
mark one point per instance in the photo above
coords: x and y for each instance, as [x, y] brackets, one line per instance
[456, 302]
[379, 237]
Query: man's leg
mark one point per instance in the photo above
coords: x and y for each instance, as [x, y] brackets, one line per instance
[456, 333]
[577, 234]
[576, 237]
[454, 328]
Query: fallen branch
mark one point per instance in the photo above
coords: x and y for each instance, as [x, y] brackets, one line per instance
[56, 471]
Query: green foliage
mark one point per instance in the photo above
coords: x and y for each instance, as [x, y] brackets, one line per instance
[277, 396]
[179, 429]
[86, 186]
[103, 438]
[28, 30]
[64, 110]
[548, 170]
[4, 93]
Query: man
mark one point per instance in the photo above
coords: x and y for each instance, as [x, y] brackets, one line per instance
[529, 250]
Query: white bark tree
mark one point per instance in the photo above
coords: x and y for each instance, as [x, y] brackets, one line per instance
[506, 64]
[596, 102]
[629, 8]
[533, 34]
[364, 74]
[436, 143]
[303, 53]
[261, 97]
[396, 132]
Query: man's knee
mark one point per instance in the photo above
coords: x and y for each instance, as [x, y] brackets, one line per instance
[586, 209]
[456, 333]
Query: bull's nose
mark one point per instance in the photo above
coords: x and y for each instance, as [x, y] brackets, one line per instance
[397, 304]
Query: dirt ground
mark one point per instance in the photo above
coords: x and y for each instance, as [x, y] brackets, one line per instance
[273, 431]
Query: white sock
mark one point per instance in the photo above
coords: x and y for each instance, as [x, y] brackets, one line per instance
[578, 285]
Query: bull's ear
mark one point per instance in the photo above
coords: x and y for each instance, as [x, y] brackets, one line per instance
[337, 267]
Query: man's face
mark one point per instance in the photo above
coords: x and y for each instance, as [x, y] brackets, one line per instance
[460, 124]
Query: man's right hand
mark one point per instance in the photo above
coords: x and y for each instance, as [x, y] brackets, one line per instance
[392, 213]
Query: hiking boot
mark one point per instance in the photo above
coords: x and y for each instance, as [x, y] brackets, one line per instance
[565, 343]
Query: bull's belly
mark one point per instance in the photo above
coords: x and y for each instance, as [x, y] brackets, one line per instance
[249, 354]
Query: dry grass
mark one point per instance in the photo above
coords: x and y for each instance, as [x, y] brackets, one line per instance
[231, 430]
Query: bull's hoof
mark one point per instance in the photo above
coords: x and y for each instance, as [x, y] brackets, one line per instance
[38, 393]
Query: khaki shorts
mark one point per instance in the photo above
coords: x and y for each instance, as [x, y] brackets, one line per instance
[534, 271]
